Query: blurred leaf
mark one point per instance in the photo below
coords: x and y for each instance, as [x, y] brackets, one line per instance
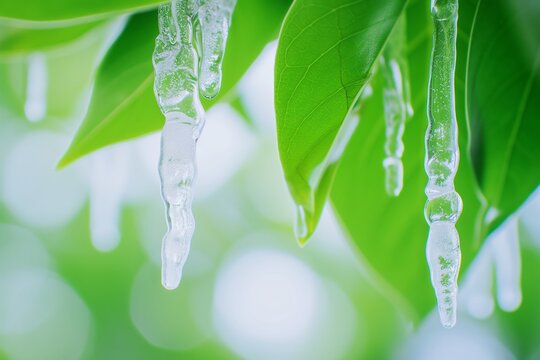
[503, 92]
[72, 10]
[16, 41]
[324, 59]
[123, 104]
[391, 233]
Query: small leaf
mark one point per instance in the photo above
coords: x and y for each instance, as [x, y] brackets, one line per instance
[123, 105]
[325, 55]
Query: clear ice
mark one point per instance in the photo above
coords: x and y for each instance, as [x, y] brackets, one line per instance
[444, 205]
[177, 65]
[35, 107]
[397, 107]
[107, 181]
[501, 253]
[507, 259]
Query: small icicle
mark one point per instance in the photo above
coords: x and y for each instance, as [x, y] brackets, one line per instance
[507, 258]
[212, 29]
[107, 180]
[479, 286]
[394, 113]
[396, 107]
[444, 204]
[35, 107]
[176, 87]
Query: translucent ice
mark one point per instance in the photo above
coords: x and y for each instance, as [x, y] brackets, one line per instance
[212, 28]
[444, 204]
[396, 107]
[507, 259]
[107, 181]
[177, 83]
[35, 107]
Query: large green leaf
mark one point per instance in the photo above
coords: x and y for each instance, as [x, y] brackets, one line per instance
[325, 55]
[389, 232]
[123, 104]
[72, 10]
[503, 92]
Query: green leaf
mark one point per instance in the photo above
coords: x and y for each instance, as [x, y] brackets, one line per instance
[16, 41]
[123, 104]
[389, 232]
[503, 92]
[325, 55]
[30, 11]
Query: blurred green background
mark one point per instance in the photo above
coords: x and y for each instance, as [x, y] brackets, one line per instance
[79, 247]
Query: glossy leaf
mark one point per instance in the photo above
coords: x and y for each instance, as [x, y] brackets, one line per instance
[503, 92]
[325, 57]
[123, 104]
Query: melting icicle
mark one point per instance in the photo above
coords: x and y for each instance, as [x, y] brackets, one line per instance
[212, 28]
[444, 204]
[176, 86]
[507, 258]
[396, 107]
[35, 107]
[479, 286]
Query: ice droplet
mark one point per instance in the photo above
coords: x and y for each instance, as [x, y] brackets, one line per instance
[35, 107]
[177, 68]
[444, 205]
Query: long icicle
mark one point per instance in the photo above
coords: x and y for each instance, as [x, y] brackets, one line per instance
[444, 204]
[397, 107]
[176, 64]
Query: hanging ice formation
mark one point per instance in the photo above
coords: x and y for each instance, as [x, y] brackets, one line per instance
[501, 253]
[107, 180]
[35, 107]
[397, 107]
[181, 68]
[444, 204]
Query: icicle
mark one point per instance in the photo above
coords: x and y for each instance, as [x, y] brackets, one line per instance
[108, 179]
[479, 286]
[35, 107]
[176, 86]
[507, 258]
[444, 204]
[212, 28]
[396, 107]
